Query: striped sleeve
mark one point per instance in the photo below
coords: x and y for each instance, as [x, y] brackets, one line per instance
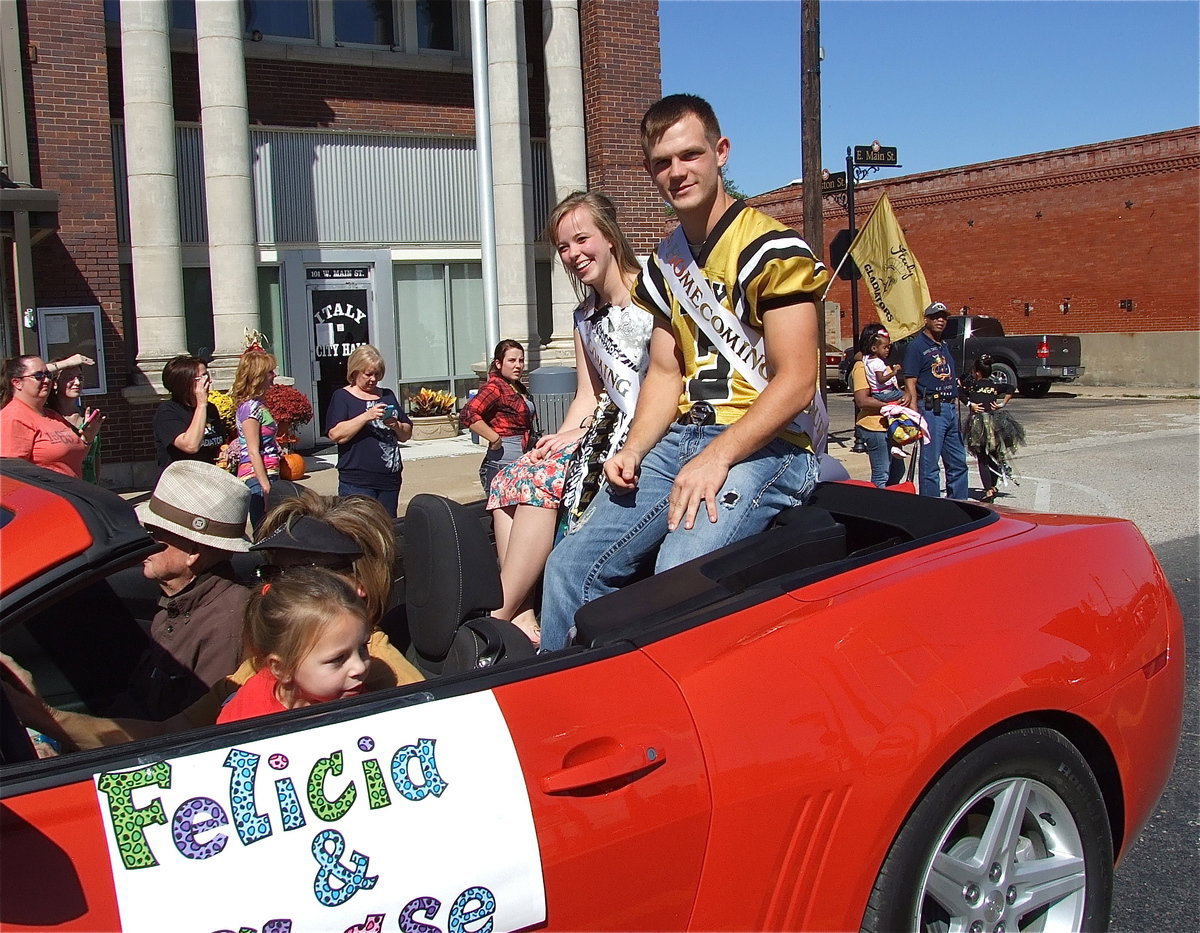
[776, 269]
[651, 292]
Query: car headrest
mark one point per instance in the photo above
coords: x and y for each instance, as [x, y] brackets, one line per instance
[450, 569]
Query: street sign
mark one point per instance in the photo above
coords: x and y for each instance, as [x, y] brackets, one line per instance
[833, 182]
[875, 154]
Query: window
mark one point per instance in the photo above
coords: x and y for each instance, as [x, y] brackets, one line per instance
[291, 19]
[197, 312]
[371, 22]
[271, 319]
[439, 323]
[409, 26]
[435, 25]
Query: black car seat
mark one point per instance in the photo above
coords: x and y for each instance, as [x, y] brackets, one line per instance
[452, 583]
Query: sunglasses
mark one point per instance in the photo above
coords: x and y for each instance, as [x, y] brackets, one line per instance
[40, 375]
[269, 573]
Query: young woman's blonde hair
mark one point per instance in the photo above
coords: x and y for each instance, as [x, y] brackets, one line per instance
[604, 214]
[364, 358]
[251, 379]
[359, 518]
[285, 617]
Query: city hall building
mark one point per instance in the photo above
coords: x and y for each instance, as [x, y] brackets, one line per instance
[191, 172]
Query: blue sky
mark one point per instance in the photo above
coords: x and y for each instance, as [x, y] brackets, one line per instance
[948, 82]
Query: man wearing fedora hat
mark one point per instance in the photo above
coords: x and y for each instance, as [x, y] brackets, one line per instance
[197, 512]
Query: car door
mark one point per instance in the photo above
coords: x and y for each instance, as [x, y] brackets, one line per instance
[569, 793]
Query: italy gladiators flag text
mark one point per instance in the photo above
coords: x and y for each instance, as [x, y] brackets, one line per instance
[891, 271]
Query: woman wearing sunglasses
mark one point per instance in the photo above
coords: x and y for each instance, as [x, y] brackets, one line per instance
[29, 429]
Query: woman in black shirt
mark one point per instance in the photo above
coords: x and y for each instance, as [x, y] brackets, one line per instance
[187, 426]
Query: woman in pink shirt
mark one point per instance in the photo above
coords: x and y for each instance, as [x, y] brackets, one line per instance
[30, 430]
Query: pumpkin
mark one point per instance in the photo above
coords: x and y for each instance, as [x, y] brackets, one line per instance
[291, 466]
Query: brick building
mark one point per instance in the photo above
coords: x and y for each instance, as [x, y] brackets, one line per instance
[1098, 240]
[214, 175]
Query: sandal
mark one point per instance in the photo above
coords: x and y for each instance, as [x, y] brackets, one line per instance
[989, 495]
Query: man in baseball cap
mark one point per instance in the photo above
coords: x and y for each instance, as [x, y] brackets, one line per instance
[197, 512]
[931, 383]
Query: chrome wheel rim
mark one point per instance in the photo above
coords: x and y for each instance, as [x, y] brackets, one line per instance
[1010, 859]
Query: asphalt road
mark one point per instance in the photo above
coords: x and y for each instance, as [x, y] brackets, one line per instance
[1132, 458]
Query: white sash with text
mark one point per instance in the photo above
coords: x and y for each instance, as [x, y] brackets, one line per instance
[741, 345]
[619, 375]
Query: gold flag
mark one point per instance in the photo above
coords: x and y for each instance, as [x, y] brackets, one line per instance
[891, 271]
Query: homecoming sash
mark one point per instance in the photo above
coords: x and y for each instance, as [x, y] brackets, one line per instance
[742, 346]
[618, 374]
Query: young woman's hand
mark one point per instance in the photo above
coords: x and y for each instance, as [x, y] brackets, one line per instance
[552, 443]
[73, 361]
[93, 421]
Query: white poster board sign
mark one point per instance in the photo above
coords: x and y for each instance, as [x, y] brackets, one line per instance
[413, 819]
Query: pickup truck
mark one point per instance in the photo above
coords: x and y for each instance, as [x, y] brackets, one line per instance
[1031, 362]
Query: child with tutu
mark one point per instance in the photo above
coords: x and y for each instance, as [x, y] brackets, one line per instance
[992, 434]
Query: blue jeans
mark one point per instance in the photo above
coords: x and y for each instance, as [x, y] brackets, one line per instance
[886, 470]
[258, 502]
[618, 535]
[388, 498]
[945, 446]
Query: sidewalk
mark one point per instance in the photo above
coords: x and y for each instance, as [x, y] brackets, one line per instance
[451, 467]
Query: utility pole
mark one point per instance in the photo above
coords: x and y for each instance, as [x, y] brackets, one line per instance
[810, 150]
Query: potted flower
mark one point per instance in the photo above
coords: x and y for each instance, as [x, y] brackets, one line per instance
[290, 408]
[433, 414]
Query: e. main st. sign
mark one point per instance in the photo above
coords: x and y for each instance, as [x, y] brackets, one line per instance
[875, 154]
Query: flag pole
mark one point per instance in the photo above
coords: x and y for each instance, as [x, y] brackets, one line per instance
[846, 255]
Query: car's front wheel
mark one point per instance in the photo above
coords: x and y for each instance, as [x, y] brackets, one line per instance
[1014, 836]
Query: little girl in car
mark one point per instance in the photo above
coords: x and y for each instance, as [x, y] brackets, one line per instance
[307, 633]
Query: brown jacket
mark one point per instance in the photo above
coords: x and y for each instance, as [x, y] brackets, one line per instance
[196, 641]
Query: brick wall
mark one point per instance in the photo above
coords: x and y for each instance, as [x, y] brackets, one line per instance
[1092, 225]
[620, 80]
[71, 152]
[333, 96]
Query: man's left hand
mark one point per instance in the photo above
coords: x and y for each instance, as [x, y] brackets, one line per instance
[699, 481]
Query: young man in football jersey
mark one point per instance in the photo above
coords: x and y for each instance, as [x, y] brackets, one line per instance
[728, 418]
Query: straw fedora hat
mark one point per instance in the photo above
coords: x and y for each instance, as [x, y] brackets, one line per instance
[200, 502]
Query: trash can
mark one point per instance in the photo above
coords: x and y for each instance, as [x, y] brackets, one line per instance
[553, 390]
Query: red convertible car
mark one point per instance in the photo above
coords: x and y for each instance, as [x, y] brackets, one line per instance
[828, 726]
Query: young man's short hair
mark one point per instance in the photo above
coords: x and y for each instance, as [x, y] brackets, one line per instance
[665, 113]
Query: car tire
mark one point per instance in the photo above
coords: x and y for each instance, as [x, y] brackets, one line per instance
[1015, 835]
[1035, 389]
[1006, 372]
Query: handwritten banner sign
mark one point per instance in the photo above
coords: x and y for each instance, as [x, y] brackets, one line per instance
[415, 820]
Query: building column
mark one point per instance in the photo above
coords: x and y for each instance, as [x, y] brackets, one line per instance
[566, 143]
[229, 192]
[512, 169]
[153, 192]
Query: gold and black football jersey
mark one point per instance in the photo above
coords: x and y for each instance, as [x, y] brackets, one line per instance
[753, 264]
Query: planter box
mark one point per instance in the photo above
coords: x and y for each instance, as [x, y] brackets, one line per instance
[434, 427]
